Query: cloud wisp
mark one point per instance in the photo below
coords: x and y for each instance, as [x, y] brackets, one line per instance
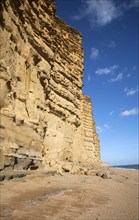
[118, 78]
[100, 129]
[130, 92]
[132, 71]
[99, 12]
[103, 12]
[88, 78]
[133, 111]
[94, 53]
[111, 113]
[110, 71]
[106, 70]
[106, 126]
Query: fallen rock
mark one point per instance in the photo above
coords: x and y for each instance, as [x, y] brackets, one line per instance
[23, 163]
[99, 174]
[67, 167]
[104, 176]
[8, 177]
[2, 177]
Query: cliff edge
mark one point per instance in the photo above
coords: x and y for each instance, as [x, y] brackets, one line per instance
[45, 119]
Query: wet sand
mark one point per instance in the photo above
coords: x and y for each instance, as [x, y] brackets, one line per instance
[71, 197]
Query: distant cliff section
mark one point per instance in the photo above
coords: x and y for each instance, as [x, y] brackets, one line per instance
[45, 119]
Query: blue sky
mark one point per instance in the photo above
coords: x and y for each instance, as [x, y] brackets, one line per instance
[111, 47]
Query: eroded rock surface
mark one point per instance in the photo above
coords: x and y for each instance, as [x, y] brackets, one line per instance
[45, 118]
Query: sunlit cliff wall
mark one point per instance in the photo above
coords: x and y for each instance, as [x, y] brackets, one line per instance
[45, 119]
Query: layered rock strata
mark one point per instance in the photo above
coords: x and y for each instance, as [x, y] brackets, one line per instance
[45, 119]
[91, 141]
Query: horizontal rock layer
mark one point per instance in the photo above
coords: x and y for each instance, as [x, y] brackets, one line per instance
[45, 118]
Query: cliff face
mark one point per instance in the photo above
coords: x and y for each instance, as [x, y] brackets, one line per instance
[45, 118]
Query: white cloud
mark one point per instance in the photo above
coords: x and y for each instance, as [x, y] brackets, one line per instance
[133, 111]
[99, 12]
[88, 78]
[106, 70]
[111, 113]
[106, 126]
[110, 71]
[130, 92]
[132, 71]
[103, 12]
[94, 53]
[112, 44]
[99, 129]
[119, 77]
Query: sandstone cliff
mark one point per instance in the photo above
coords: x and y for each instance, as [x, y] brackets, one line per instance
[45, 118]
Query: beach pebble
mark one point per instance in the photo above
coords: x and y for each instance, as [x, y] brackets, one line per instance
[104, 176]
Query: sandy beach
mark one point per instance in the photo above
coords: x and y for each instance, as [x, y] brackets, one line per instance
[68, 197]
